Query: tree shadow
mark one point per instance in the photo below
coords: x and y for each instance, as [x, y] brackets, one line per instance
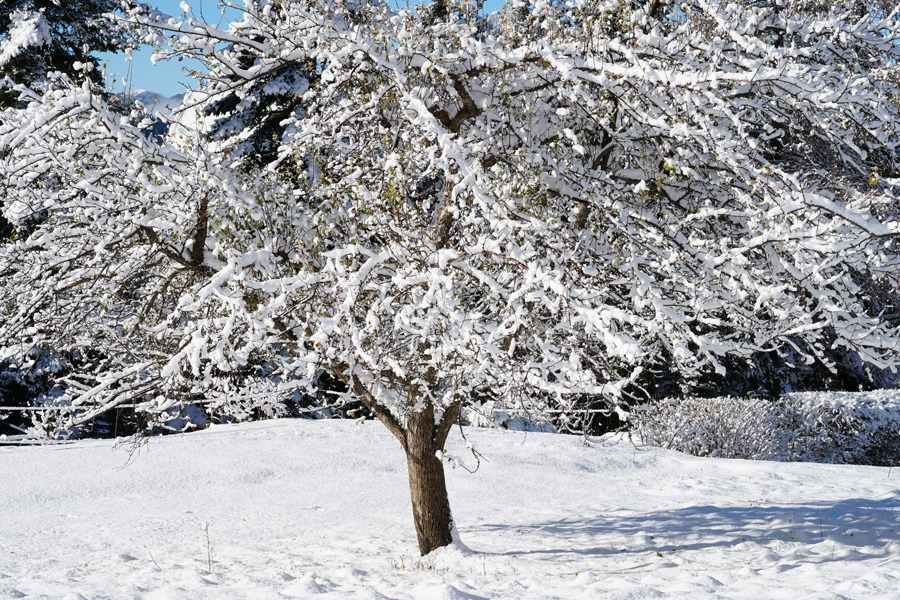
[856, 522]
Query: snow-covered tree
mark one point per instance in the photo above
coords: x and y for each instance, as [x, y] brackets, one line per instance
[536, 209]
[37, 38]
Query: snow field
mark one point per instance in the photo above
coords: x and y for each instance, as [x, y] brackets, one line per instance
[320, 509]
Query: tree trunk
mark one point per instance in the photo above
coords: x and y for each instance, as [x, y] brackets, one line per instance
[427, 486]
[421, 439]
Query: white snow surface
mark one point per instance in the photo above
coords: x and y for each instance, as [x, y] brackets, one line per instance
[320, 509]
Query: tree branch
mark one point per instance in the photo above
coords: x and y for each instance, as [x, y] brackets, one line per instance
[450, 416]
[201, 232]
[379, 410]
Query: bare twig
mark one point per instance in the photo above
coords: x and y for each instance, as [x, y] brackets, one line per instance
[154, 560]
[209, 552]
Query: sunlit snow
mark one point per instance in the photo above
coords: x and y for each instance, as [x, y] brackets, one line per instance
[320, 509]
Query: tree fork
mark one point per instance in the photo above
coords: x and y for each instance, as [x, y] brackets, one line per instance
[422, 438]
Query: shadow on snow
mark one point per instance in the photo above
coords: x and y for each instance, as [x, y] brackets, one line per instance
[857, 522]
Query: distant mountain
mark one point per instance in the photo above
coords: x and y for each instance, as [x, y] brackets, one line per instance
[154, 103]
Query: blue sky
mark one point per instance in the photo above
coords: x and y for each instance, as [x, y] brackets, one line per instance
[167, 77]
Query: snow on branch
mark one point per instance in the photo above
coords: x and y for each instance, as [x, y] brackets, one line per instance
[27, 29]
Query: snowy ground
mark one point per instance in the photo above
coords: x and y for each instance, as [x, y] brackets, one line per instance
[320, 509]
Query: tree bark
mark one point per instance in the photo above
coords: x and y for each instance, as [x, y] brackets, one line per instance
[427, 486]
[422, 438]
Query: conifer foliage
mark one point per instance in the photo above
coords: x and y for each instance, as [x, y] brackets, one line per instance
[38, 37]
[535, 207]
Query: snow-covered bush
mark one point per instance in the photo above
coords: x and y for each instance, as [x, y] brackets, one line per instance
[841, 427]
[495, 415]
[722, 427]
[832, 427]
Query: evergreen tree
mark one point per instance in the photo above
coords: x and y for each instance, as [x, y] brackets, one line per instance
[250, 114]
[41, 36]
